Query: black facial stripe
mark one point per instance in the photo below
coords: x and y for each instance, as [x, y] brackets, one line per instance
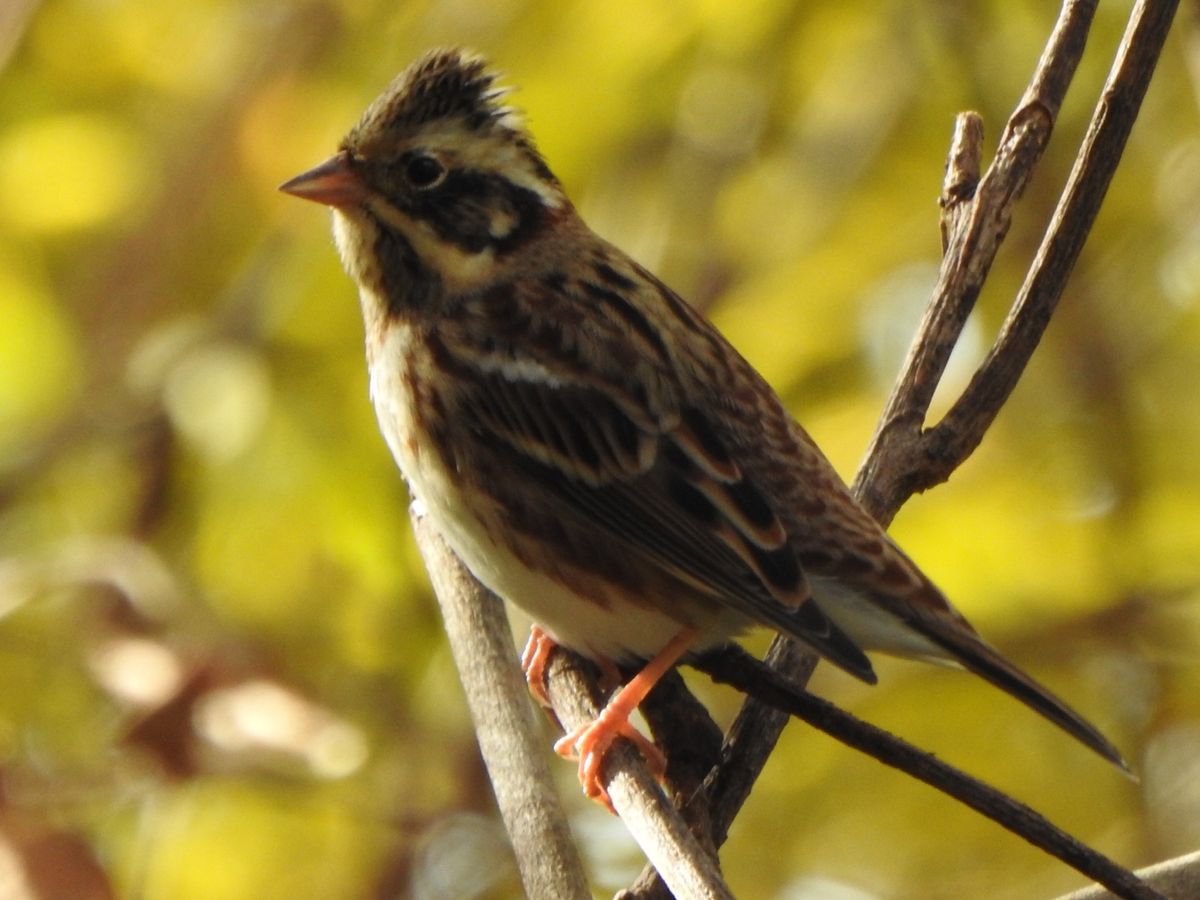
[461, 210]
[406, 282]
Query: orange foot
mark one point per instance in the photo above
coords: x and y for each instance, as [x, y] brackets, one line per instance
[536, 656]
[533, 663]
[591, 741]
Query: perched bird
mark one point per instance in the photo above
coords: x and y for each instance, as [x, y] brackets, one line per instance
[588, 444]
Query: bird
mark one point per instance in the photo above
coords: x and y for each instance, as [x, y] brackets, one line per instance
[588, 444]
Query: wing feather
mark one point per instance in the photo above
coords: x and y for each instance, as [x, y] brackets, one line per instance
[664, 493]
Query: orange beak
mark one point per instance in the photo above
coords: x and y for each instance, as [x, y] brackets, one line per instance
[333, 182]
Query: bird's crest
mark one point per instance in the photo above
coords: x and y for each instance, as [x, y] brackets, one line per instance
[443, 84]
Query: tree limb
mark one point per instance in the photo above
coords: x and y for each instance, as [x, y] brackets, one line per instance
[512, 744]
[976, 214]
[688, 869]
[898, 462]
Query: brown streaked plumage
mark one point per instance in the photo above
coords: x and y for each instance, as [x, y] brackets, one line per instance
[587, 442]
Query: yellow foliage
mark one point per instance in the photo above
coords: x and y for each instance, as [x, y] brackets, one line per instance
[190, 461]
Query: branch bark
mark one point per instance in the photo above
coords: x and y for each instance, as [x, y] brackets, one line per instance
[1178, 877]
[512, 744]
[514, 751]
[688, 869]
[741, 670]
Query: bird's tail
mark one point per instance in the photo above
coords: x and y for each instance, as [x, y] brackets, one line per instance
[976, 655]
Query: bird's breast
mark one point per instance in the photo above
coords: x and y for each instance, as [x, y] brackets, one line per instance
[408, 394]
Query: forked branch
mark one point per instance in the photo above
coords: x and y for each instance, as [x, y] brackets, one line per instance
[904, 457]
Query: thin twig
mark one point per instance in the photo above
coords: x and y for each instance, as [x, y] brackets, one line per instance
[962, 178]
[692, 742]
[959, 433]
[513, 747]
[894, 462]
[893, 469]
[734, 666]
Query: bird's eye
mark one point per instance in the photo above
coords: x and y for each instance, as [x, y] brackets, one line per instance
[423, 172]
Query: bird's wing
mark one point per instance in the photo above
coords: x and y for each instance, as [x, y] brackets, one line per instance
[655, 478]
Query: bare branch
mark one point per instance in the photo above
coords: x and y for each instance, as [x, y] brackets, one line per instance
[734, 666]
[687, 868]
[960, 431]
[962, 178]
[512, 744]
[691, 742]
[1178, 877]
[895, 461]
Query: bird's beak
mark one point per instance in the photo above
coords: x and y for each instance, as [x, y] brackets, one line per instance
[334, 183]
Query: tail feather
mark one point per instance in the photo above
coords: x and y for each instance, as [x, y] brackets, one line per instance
[975, 655]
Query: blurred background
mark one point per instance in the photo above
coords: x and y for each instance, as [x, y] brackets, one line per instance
[222, 673]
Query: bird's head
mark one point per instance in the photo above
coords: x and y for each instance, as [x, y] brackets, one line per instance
[438, 175]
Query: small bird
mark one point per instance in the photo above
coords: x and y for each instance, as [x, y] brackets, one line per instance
[587, 443]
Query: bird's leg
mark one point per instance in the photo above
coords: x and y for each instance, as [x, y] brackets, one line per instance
[536, 656]
[590, 741]
[533, 663]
